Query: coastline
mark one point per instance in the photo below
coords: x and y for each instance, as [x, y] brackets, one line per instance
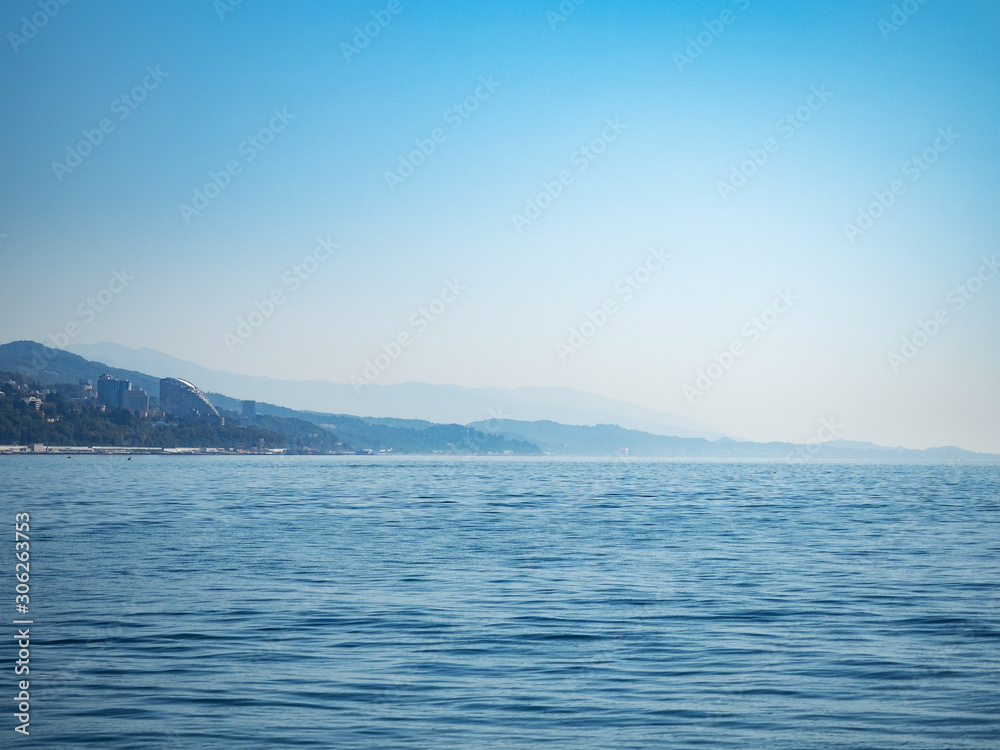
[107, 450]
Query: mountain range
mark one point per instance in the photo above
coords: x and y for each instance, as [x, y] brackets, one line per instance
[443, 404]
[498, 433]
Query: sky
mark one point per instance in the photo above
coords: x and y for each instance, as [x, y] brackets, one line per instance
[767, 217]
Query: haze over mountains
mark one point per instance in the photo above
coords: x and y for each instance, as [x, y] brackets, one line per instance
[497, 433]
[434, 403]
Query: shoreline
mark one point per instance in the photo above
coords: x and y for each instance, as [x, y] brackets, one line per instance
[71, 451]
[111, 450]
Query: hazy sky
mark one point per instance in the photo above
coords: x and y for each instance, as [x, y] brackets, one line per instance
[531, 155]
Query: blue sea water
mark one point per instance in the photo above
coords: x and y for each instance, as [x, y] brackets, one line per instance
[331, 602]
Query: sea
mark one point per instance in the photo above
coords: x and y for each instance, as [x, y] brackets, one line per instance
[448, 602]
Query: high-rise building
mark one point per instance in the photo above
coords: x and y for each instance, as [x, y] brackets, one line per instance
[107, 390]
[182, 399]
[119, 394]
[124, 386]
[249, 409]
[136, 399]
[86, 389]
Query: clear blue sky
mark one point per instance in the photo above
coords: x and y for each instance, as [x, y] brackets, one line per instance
[687, 114]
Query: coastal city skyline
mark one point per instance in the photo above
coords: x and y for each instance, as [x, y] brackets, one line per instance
[56, 415]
